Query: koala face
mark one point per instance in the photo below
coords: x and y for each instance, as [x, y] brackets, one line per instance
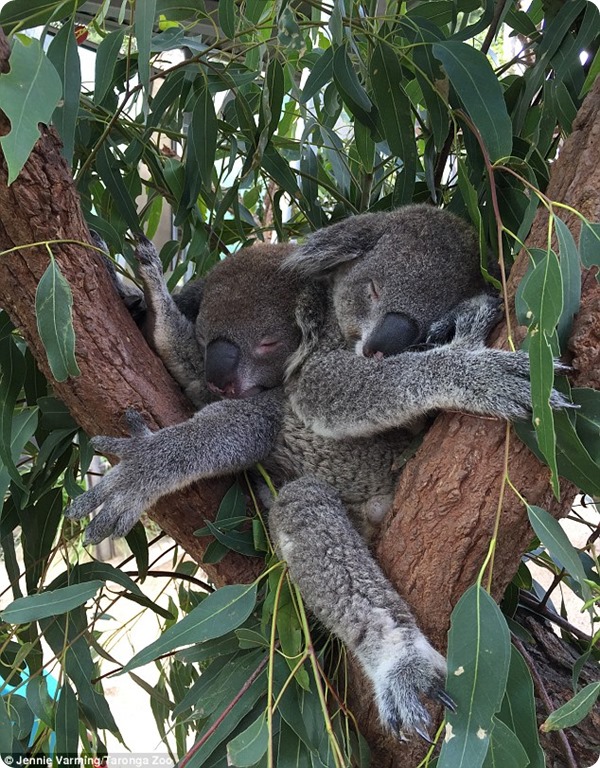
[246, 323]
[387, 300]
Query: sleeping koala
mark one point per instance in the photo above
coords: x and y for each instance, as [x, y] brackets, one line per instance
[331, 433]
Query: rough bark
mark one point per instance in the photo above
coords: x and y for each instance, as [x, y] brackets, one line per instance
[436, 538]
[118, 369]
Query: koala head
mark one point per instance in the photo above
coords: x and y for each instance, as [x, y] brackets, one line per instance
[394, 274]
[246, 321]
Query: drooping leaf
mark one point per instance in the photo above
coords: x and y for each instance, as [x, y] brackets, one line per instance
[505, 750]
[143, 24]
[574, 710]
[589, 244]
[106, 59]
[54, 315]
[574, 460]
[478, 663]
[67, 722]
[62, 52]
[556, 541]
[571, 280]
[34, 13]
[518, 709]
[395, 113]
[320, 75]
[247, 748]
[480, 93]
[351, 90]
[29, 94]
[12, 373]
[221, 612]
[227, 17]
[49, 603]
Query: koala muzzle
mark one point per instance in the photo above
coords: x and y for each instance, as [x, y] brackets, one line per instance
[221, 365]
[392, 335]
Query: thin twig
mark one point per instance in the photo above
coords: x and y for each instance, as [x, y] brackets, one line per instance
[186, 759]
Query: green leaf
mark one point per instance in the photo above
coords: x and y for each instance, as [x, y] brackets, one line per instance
[33, 13]
[218, 614]
[63, 54]
[201, 145]
[478, 662]
[574, 461]
[110, 175]
[106, 59]
[505, 750]
[54, 315]
[587, 419]
[49, 603]
[589, 244]
[480, 92]
[395, 113]
[39, 700]
[574, 710]
[6, 729]
[143, 23]
[12, 373]
[67, 722]
[29, 94]
[571, 280]
[542, 378]
[350, 89]
[250, 745]
[518, 709]
[556, 541]
[227, 17]
[23, 427]
[320, 75]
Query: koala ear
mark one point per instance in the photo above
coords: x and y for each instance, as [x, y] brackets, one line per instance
[189, 299]
[310, 316]
[337, 244]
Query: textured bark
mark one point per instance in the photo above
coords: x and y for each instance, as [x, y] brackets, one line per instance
[118, 369]
[435, 540]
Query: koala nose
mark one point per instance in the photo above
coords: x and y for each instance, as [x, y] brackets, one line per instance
[220, 366]
[392, 335]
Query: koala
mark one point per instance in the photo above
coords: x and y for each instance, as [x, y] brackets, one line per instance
[324, 382]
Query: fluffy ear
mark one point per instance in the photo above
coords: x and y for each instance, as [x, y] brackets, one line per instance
[189, 299]
[337, 244]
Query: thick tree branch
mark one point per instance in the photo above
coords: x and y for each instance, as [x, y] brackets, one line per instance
[435, 541]
[118, 369]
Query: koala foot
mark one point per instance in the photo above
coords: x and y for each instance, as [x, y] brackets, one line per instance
[405, 676]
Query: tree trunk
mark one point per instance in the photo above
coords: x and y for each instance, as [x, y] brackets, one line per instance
[118, 369]
[448, 495]
[434, 542]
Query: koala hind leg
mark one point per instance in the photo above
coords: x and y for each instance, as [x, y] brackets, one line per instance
[345, 588]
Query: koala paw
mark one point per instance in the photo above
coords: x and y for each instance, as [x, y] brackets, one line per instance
[124, 492]
[418, 671]
[148, 258]
[469, 323]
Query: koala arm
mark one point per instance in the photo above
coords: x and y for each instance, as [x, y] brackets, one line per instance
[170, 332]
[221, 439]
[339, 394]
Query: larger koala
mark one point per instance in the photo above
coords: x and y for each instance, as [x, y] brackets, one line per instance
[332, 433]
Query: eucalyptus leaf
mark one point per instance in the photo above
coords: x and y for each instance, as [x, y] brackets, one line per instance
[480, 92]
[221, 612]
[29, 94]
[54, 315]
[574, 710]
[49, 603]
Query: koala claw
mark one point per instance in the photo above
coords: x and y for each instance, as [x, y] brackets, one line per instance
[424, 735]
[444, 698]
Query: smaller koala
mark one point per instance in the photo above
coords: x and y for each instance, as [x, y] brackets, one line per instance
[327, 423]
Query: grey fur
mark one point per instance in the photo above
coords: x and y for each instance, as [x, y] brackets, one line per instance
[330, 437]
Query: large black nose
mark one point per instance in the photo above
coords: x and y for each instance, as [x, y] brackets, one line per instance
[392, 335]
[220, 364]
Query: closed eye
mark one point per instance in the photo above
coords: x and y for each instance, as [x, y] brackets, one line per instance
[268, 345]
